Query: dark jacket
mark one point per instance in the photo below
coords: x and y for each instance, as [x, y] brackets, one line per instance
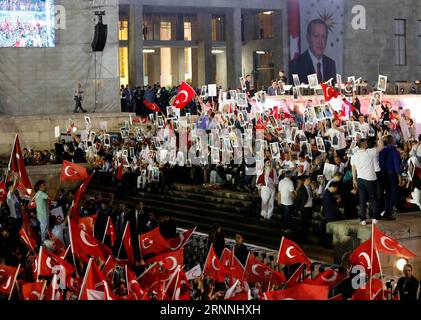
[302, 198]
[407, 289]
[330, 207]
[303, 66]
[241, 252]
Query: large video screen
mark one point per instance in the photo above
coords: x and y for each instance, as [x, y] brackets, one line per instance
[27, 24]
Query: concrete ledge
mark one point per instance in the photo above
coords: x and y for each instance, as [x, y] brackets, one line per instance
[37, 132]
[349, 234]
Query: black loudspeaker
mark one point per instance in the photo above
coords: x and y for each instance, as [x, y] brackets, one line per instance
[100, 37]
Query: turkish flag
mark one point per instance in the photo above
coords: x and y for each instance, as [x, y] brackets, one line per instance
[3, 192]
[83, 245]
[61, 249]
[244, 296]
[72, 172]
[226, 258]
[301, 291]
[94, 284]
[184, 96]
[182, 287]
[31, 243]
[133, 286]
[277, 278]
[8, 277]
[296, 277]
[49, 264]
[362, 256]
[294, 27]
[180, 241]
[329, 92]
[53, 292]
[275, 113]
[330, 278]
[110, 231]
[151, 106]
[364, 293]
[127, 243]
[291, 253]
[17, 165]
[389, 245]
[213, 267]
[153, 279]
[169, 260]
[74, 284]
[256, 271]
[108, 269]
[87, 224]
[78, 197]
[152, 242]
[33, 290]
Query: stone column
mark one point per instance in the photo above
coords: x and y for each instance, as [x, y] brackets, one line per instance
[135, 45]
[178, 69]
[233, 47]
[278, 57]
[204, 59]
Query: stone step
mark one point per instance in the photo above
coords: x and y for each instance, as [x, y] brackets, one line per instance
[217, 193]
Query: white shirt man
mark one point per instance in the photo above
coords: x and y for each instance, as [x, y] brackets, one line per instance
[365, 178]
[286, 191]
[315, 62]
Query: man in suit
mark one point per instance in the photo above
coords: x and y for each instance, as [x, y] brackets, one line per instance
[314, 60]
[304, 205]
[273, 90]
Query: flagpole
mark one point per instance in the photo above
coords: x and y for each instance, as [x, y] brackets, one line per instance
[71, 245]
[106, 228]
[11, 153]
[84, 278]
[14, 281]
[121, 243]
[43, 290]
[39, 262]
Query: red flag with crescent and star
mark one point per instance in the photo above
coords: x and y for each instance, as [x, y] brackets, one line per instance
[390, 246]
[330, 278]
[329, 92]
[78, 196]
[362, 256]
[152, 242]
[291, 253]
[133, 286]
[169, 260]
[88, 224]
[151, 106]
[84, 245]
[126, 242]
[184, 96]
[94, 286]
[301, 291]
[49, 264]
[8, 277]
[17, 165]
[33, 290]
[213, 268]
[72, 172]
[110, 231]
[257, 271]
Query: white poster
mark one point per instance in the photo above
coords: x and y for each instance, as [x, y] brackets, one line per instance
[212, 92]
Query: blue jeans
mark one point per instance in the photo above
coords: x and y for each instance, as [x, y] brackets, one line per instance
[286, 215]
[367, 191]
[392, 191]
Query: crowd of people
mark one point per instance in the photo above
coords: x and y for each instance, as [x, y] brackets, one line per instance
[295, 158]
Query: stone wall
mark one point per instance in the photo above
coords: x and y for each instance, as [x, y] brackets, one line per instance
[370, 52]
[43, 80]
[37, 132]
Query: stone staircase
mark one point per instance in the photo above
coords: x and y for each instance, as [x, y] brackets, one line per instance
[194, 206]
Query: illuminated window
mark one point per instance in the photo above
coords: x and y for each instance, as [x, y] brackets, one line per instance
[123, 30]
[400, 42]
[187, 31]
[265, 25]
[165, 30]
[124, 65]
[218, 28]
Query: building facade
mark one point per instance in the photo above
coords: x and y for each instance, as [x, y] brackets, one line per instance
[201, 42]
[216, 41]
